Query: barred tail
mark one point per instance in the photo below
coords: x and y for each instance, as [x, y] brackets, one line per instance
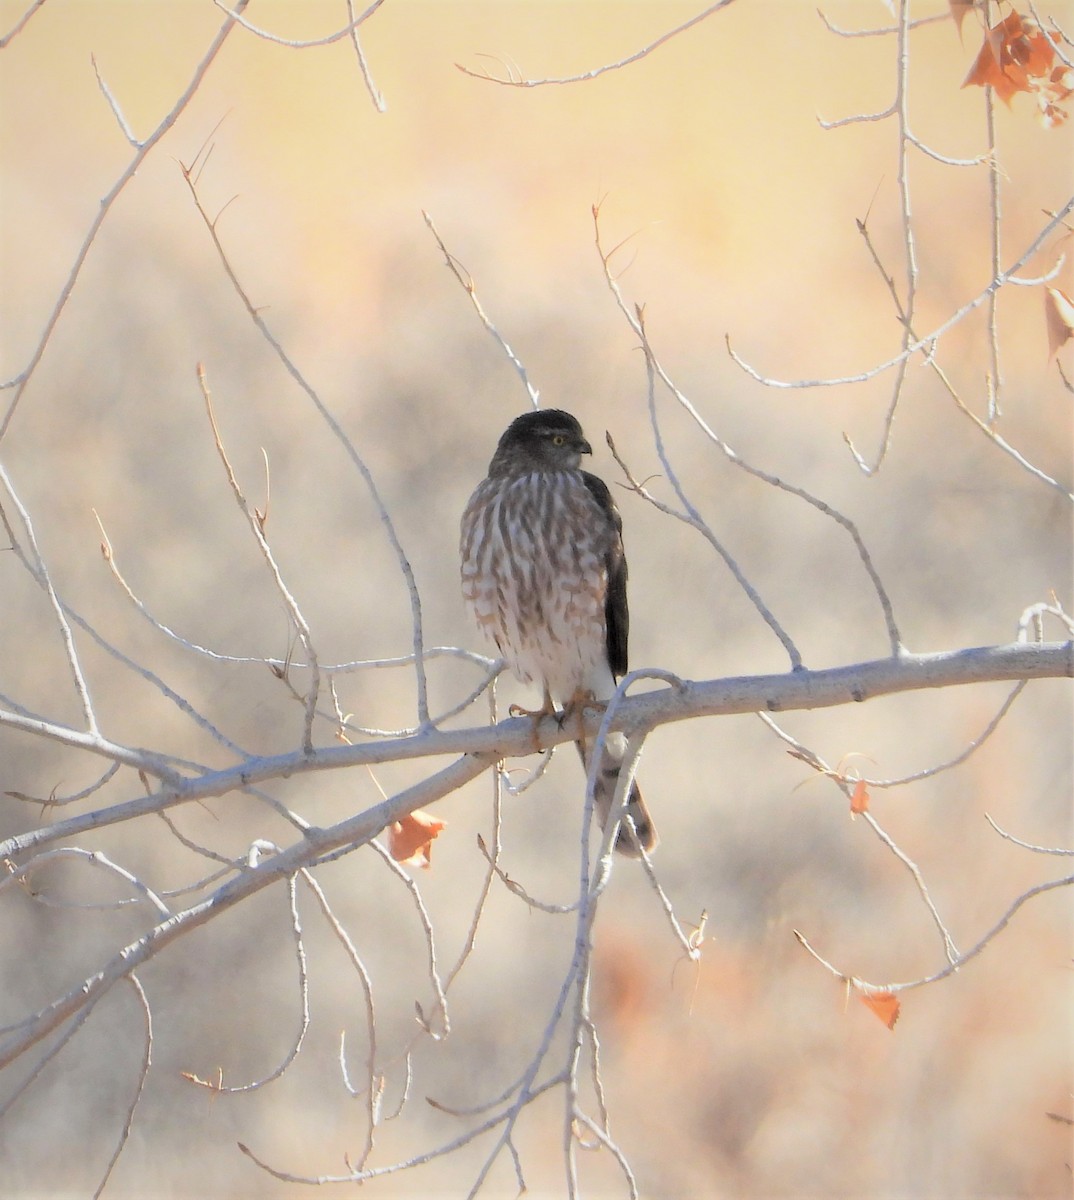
[604, 794]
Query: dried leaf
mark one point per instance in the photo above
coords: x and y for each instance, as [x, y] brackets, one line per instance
[1058, 87]
[884, 1004]
[989, 67]
[1059, 316]
[411, 839]
[1029, 47]
[859, 800]
[1016, 56]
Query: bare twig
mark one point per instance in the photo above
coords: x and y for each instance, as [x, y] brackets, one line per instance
[846, 783]
[926, 342]
[143, 1074]
[1060, 850]
[113, 104]
[306, 44]
[19, 382]
[430, 941]
[355, 830]
[345, 940]
[94, 858]
[882, 31]
[56, 801]
[341, 436]
[257, 528]
[379, 103]
[416, 1160]
[915, 776]
[653, 366]
[41, 573]
[958, 963]
[21, 23]
[295, 1048]
[516, 80]
[467, 282]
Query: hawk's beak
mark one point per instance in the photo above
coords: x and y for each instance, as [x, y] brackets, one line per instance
[584, 447]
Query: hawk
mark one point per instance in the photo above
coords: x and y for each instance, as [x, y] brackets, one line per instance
[544, 576]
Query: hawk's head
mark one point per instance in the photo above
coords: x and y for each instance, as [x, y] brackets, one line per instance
[548, 440]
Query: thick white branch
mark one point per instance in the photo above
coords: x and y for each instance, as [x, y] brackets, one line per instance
[802, 689]
[317, 842]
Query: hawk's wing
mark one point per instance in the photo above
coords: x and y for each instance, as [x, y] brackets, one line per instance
[616, 613]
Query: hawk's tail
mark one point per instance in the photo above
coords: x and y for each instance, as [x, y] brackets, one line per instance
[604, 793]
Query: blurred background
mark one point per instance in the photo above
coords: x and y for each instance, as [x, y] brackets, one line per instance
[752, 1075]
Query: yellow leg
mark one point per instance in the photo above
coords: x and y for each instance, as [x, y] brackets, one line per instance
[547, 709]
[537, 715]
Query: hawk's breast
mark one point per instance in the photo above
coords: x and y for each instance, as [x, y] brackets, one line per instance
[534, 576]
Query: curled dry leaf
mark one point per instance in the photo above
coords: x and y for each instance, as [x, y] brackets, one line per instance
[1017, 56]
[1059, 316]
[859, 798]
[884, 1004]
[411, 839]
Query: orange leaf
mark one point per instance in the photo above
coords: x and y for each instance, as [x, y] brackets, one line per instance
[1058, 87]
[411, 839]
[1059, 316]
[1015, 57]
[1031, 50]
[884, 1004]
[859, 800]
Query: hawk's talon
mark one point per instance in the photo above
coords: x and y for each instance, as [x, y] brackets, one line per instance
[536, 715]
[582, 699]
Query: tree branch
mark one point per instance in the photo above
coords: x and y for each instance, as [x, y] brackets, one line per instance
[355, 831]
[517, 736]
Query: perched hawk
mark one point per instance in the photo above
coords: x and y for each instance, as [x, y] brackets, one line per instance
[544, 575]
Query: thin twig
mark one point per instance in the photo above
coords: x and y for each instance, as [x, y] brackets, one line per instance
[379, 103]
[337, 35]
[341, 436]
[962, 959]
[295, 1048]
[21, 23]
[161, 765]
[113, 104]
[94, 858]
[19, 382]
[466, 280]
[143, 1074]
[430, 941]
[41, 573]
[915, 776]
[636, 321]
[290, 603]
[349, 948]
[918, 344]
[1061, 850]
[883, 31]
[845, 784]
[77, 1020]
[518, 81]
[445, 1149]
[56, 801]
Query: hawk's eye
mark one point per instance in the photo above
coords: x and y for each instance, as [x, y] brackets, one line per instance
[558, 439]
